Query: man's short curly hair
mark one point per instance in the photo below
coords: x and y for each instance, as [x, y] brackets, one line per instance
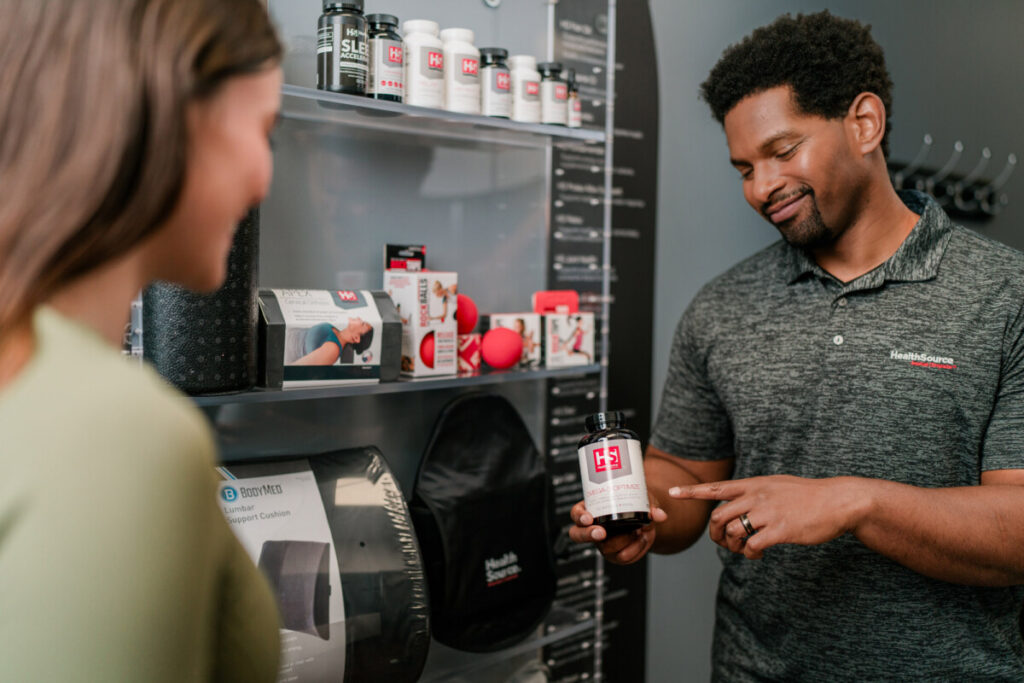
[827, 61]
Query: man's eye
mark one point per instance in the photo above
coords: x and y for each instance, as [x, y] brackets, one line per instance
[787, 153]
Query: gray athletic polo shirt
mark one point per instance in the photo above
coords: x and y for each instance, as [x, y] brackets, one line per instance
[914, 373]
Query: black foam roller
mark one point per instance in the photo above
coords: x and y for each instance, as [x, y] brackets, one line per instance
[206, 343]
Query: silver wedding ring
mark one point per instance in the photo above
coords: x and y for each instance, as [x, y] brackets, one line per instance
[745, 521]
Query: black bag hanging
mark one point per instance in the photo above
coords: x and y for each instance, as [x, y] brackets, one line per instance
[481, 510]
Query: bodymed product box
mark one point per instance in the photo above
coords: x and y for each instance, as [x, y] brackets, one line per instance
[426, 302]
[316, 337]
[528, 327]
[568, 339]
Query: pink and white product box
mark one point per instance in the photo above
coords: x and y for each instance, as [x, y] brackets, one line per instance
[316, 337]
[568, 339]
[528, 327]
[426, 303]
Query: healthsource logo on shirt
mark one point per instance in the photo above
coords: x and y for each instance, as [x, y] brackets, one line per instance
[924, 360]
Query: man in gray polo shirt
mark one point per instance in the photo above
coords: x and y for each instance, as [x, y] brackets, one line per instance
[851, 397]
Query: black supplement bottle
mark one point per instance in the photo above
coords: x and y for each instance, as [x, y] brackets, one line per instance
[341, 54]
[612, 473]
[386, 80]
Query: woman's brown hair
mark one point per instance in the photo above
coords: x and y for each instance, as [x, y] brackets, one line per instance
[93, 126]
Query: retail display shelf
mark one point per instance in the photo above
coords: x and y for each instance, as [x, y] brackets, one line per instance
[403, 385]
[308, 104]
[465, 668]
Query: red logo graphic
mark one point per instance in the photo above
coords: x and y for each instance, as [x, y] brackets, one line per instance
[347, 296]
[469, 67]
[504, 81]
[609, 459]
[936, 366]
[532, 88]
[395, 54]
[561, 92]
[435, 60]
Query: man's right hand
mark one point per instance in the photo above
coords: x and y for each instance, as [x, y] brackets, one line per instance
[620, 549]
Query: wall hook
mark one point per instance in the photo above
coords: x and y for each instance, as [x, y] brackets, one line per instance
[991, 199]
[957, 189]
[928, 184]
[911, 168]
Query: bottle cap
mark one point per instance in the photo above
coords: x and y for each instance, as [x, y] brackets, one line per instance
[462, 35]
[570, 76]
[343, 4]
[549, 68]
[420, 26]
[601, 421]
[493, 53]
[382, 19]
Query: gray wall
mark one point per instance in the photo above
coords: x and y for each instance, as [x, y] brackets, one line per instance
[957, 77]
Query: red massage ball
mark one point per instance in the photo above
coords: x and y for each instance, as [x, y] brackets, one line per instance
[427, 350]
[466, 315]
[501, 348]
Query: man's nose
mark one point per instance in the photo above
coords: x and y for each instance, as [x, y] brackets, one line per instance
[767, 181]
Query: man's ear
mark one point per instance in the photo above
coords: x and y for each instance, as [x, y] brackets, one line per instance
[865, 123]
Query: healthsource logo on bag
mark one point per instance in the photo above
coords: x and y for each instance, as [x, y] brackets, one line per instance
[502, 569]
[608, 461]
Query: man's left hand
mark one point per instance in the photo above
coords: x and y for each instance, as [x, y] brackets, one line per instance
[779, 509]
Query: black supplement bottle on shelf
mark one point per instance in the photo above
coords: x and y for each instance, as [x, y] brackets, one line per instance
[386, 80]
[341, 54]
[612, 473]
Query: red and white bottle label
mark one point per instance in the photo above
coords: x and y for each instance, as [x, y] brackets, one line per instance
[612, 473]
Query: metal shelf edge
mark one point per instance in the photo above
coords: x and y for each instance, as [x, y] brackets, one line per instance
[366, 112]
[403, 385]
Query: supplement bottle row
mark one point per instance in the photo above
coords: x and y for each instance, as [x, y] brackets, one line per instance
[360, 55]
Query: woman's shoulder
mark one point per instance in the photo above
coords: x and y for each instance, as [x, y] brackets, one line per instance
[80, 399]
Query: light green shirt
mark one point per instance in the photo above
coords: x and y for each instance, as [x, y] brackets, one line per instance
[115, 562]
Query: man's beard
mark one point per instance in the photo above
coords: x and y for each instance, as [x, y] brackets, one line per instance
[811, 232]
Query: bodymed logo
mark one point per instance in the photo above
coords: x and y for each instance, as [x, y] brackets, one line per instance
[229, 494]
[924, 360]
[607, 460]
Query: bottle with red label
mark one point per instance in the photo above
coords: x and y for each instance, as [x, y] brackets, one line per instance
[424, 64]
[495, 83]
[525, 88]
[612, 474]
[554, 94]
[461, 71]
[386, 80]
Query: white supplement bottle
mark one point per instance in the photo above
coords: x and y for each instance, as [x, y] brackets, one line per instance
[495, 83]
[424, 64]
[461, 71]
[525, 89]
